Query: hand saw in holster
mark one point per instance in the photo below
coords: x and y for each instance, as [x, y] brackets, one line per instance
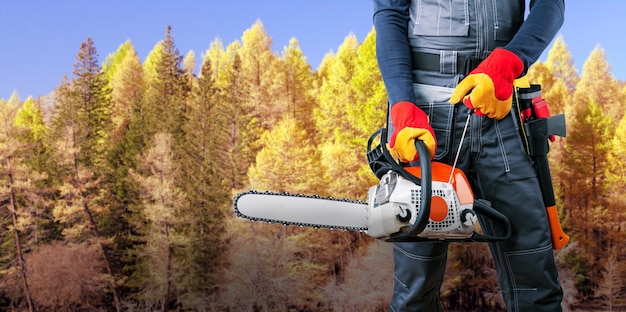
[428, 202]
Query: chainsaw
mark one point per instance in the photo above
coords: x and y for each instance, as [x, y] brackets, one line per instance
[431, 201]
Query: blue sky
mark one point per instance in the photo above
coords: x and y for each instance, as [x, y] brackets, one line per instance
[39, 39]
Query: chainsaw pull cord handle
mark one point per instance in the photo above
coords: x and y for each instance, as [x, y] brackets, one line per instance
[426, 182]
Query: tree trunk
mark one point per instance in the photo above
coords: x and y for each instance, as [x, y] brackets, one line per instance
[18, 243]
[96, 231]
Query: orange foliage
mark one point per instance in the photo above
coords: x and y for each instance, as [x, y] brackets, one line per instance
[66, 277]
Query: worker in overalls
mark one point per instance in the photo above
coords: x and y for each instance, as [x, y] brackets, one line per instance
[440, 61]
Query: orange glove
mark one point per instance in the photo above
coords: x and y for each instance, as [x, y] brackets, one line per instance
[490, 85]
[410, 123]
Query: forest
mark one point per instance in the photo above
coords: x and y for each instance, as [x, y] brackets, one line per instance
[117, 187]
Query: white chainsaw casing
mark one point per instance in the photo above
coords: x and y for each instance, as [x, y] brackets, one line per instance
[458, 223]
[394, 204]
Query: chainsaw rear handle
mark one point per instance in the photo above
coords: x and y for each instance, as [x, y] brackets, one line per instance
[484, 209]
[381, 161]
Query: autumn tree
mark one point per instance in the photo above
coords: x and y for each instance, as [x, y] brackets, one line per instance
[125, 76]
[616, 178]
[336, 92]
[292, 86]
[266, 271]
[242, 125]
[347, 115]
[258, 66]
[561, 65]
[35, 156]
[162, 204]
[287, 161]
[610, 287]
[587, 148]
[67, 277]
[598, 84]
[15, 178]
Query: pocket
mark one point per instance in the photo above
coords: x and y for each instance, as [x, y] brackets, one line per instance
[534, 280]
[508, 18]
[440, 18]
[434, 101]
[517, 163]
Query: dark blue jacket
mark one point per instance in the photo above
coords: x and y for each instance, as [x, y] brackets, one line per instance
[458, 27]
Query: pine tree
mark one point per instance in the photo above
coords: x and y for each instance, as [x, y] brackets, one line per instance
[203, 178]
[91, 96]
[127, 91]
[81, 138]
[163, 108]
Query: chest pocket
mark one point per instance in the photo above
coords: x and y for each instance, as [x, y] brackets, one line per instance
[440, 18]
[452, 18]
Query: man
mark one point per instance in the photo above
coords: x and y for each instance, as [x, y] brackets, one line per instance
[441, 61]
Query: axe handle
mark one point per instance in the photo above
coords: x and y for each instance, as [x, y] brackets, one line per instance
[559, 238]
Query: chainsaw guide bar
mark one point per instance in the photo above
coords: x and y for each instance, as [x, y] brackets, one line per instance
[350, 215]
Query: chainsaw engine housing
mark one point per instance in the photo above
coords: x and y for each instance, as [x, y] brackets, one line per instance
[394, 204]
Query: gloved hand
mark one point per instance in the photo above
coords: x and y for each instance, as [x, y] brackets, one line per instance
[410, 123]
[490, 85]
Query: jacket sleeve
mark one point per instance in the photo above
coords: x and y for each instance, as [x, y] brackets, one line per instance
[540, 27]
[391, 20]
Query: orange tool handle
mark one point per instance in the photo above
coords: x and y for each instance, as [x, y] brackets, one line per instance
[559, 238]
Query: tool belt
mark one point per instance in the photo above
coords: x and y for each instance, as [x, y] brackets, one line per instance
[432, 62]
[536, 124]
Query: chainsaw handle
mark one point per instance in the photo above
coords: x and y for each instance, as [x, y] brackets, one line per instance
[426, 183]
[484, 209]
[381, 161]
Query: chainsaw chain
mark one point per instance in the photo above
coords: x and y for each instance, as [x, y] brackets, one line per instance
[317, 226]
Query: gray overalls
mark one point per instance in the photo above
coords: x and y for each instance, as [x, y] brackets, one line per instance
[492, 157]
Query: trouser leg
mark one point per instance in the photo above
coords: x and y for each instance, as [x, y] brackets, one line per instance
[418, 274]
[525, 263]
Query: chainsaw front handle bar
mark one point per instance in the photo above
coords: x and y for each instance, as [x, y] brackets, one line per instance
[376, 155]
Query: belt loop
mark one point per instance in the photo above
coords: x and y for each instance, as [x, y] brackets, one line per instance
[442, 61]
[455, 58]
